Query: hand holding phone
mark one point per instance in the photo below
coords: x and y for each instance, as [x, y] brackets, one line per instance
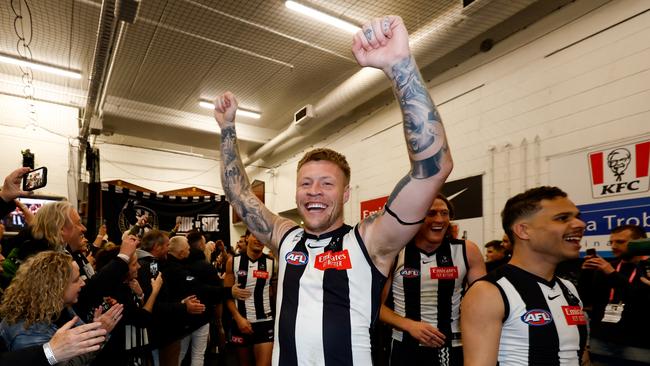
[35, 179]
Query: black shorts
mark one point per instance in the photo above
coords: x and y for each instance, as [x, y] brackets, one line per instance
[412, 354]
[262, 333]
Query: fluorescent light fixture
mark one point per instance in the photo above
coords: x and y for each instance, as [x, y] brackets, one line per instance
[322, 17]
[41, 67]
[240, 112]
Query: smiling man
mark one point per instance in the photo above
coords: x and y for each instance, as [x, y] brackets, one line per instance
[428, 282]
[521, 314]
[330, 274]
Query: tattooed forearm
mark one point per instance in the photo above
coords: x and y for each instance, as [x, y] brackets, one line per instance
[237, 186]
[428, 167]
[422, 126]
[398, 188]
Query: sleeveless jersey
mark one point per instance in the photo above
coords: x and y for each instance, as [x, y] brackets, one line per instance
[256, 277]
[429, 287]
[544, 323]
[328, 298]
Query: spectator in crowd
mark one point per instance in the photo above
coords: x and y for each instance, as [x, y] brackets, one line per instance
[618, 301]
[495, 255]
[129, 343]
[522, 313]
[207, 285]
[251, 275]
[429, 278]
[39, 300]
[170, 309]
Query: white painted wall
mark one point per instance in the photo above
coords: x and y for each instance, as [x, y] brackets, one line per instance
[51, 139]
[529, 108]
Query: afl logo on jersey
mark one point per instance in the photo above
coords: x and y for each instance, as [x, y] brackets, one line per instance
[296, 258]
[537, 317]
[242, 273]
[409, 273]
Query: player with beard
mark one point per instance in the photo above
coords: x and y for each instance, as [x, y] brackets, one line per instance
[254, 272]
[330, 274]
[521, 313]
[427, 283]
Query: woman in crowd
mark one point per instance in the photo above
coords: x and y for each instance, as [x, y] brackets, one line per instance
[38, 302]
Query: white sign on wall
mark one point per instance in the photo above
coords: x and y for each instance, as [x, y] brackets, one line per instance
[610, 187]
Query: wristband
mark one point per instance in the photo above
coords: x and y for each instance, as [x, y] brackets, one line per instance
[49, 354]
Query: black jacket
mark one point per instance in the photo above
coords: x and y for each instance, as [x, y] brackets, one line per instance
[595, 290]
[169, 314]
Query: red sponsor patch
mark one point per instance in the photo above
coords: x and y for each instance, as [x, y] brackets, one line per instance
[333, 260]
[444, 273]
[237, 340]
[260, 274]
[574, 315]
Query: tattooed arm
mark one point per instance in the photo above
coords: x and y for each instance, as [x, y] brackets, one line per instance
[266, 226]
[383, 44]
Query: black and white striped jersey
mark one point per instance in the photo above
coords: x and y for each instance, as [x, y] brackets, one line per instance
[254, 276]
[429, 287]
[544, 323]
[328, 297]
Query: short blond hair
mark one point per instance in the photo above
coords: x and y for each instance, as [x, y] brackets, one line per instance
[176, 243]
[327, 155]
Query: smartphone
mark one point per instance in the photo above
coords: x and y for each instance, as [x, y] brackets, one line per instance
[35, 179]
[591, 252]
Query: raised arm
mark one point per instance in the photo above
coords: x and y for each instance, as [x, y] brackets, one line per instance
[383, 44]
[265, 225]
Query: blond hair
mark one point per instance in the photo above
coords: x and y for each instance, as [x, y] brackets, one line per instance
[327, 155]
[35, 295]
[48, 222]
[177, 243]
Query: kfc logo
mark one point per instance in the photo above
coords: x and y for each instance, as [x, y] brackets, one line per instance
[620, 170]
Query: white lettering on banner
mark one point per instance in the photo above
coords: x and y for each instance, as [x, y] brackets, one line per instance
[367, 213]
[614, 221]
[210, 223]
[186, 223]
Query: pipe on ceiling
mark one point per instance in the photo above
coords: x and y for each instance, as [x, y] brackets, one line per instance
[103, 45]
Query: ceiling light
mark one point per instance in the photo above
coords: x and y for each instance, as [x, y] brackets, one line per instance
[41, 67]
[322, 17]
[240, 112]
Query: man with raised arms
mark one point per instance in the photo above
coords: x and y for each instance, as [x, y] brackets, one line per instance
[330, 274]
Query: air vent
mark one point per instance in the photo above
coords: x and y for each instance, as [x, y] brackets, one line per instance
[303, 115]
[472, 6]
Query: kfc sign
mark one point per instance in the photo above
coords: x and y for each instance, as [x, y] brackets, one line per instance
[620, 170]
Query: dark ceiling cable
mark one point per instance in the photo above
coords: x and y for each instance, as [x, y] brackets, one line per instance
[24, 31]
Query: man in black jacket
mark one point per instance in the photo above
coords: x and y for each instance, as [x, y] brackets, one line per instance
[618, 302]
[170, 309]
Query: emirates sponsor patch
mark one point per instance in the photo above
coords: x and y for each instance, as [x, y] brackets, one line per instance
[333, 260]
[444, 273]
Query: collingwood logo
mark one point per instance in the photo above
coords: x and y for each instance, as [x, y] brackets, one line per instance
[621, 170]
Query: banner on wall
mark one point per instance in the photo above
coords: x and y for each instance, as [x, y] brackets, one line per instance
[610, 187]
[121, 209]
[467, 197]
